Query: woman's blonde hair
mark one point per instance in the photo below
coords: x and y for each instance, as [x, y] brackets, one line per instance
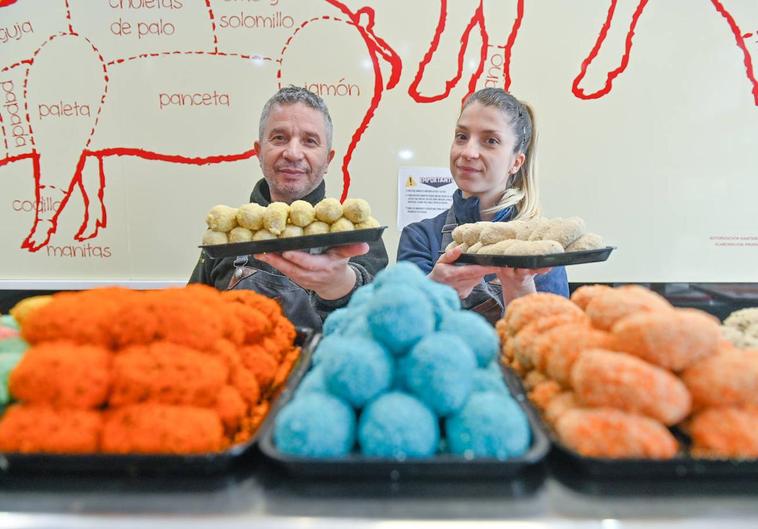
[521, 188]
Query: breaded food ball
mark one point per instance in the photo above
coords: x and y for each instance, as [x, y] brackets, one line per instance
[560, 404]
[526, 344]
[473, 329]
[674, 340]
[558, 348]
[603, 378]
[211, 237]
[221, 218]
[499, 248]
[474, 247]
[498, 231]
[606, 432]
[63, 374]
[369, 223]
[399, 316]
[275, 217]
[302, 213]
[729, 378]
[532, 248]
[524, 310]
[397, 425]
[356, 210]
[263, 235]
[151, 428]
[292, 231]
[43, 428]
[565, 231]
[240, 234]
[26, 306]
[588, 241]
[328, 210]
[315, 425]
[608, 307]
[583, 295]
[725, 432]
[316, 228]
[357, 369]
[471, 235]
[341, 224]
[490, 424]
[250, 216]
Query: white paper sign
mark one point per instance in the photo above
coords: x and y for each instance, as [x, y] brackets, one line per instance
[422, 192]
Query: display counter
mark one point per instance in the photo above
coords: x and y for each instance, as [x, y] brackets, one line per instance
[261, 497]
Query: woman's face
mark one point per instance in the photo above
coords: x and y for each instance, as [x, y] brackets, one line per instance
[482, 157]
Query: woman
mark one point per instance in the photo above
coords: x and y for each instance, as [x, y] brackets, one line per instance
[491, 160]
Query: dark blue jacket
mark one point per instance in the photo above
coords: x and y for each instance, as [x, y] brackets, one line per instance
[420, 242]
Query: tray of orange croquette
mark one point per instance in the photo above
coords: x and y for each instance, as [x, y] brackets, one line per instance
[683, 465]
[166, 464]
[538, 261]
[314, 243]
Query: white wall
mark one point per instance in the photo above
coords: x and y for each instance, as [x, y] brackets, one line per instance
[662, 161]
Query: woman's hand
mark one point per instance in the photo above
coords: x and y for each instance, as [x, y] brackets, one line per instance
[327, 274]
[517, 282]
[462, 278]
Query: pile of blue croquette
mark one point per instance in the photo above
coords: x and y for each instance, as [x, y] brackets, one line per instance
[402, 372]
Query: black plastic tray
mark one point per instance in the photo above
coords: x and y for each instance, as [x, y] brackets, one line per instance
[440, 466]
[160, 464]
[306, 242]
[538, 261]
[681, 466]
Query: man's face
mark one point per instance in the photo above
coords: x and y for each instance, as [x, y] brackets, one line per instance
[293, 152]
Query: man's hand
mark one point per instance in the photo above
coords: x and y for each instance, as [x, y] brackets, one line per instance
[462, 278]
[517, 282]
[327, 274]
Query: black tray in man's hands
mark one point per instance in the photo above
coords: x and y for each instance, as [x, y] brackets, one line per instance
[538, 261]
[315, 243]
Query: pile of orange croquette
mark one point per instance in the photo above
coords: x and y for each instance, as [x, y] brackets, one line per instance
[189, 370]
[614, 369]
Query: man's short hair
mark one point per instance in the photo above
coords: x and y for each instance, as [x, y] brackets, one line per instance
[289, 95]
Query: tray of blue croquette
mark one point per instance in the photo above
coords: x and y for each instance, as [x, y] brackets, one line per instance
[538, 261]
[205, 464]
[671, 471]
[314, 243]
[442, 465]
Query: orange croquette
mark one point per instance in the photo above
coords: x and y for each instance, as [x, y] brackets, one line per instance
[527, 309]
[583, 295]
[544, 392]
[603, 378]
[230, 408]
[533, 378]
[611, 433]
[42, 428]
[557, 349]
[610, 306]
[725, 432]
[674, 340]
[244, 382]
[166, 373]
[63, 374]
[525, 341]
[260, 363]
[729, 378]
[559, 405]
[82, 317]
[152, 428]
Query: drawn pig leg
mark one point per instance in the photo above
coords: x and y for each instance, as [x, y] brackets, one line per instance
[610, 54]
[498, 16]
[442, 66]
[742, 18]
[63, 107]
[352, 96]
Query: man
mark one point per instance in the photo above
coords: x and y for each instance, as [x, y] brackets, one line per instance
[294, 151]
